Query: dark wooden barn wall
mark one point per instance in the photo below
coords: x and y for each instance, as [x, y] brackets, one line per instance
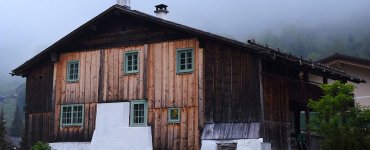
[232, 88]
[39, 105]
[40, 79]
[280, 96]
[117, 30]
[275, 128]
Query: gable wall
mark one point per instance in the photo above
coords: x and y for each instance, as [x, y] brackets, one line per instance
[102, 80]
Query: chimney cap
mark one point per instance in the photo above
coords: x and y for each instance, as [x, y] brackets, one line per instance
[161, 8]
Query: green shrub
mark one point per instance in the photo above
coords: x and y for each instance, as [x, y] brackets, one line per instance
[343, 124]
[41, 146]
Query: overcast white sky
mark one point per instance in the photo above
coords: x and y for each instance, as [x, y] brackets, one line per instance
[29, 26]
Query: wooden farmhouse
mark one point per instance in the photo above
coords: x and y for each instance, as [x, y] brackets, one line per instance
[129, 80]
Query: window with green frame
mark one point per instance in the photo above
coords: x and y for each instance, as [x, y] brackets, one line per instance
[72, 115]
[131, 62]
[174, 115]
[185, 60]
[72, 70]
[138, 114]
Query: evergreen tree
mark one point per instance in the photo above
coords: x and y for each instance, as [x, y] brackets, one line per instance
[3, 143]
[17, 124]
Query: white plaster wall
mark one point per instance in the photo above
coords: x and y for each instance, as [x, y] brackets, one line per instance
[112, 131]
[242, 144]
[70, 146]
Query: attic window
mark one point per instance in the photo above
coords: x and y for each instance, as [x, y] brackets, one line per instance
[185, 60]
[131, 62]
[72, 70]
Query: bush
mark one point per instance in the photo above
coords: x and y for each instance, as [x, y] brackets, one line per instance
[41, 146]
[343, 124]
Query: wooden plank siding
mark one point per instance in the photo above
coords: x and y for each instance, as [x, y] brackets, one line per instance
[39, 104]
[231, 84]
[275, 128]
[102, 80]
[281, 95]
[167, 89]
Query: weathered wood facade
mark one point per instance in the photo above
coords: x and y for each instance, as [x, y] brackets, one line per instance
[233, 87]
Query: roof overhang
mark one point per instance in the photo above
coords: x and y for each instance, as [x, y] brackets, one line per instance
[117, 9]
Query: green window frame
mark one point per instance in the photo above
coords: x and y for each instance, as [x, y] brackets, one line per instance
[73, 70]
[138, 113]
[174, 115]
[131, 65]
[72, 115]
[185, 60]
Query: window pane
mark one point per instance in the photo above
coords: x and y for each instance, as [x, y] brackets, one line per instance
[135, 56]
[189, 66]
[129, 57]
[189, 54]
[129, 68]
[182, 67]
[182, 55]
[174, 114]
[190, 60]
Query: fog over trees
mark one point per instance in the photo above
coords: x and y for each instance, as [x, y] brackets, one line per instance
[310, 28]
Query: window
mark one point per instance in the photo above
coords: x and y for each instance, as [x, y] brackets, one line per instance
[226, 146]
[185, 60]
[72, 115]
[131, 62]
[72, 71]
[174, 115]
[139, 110]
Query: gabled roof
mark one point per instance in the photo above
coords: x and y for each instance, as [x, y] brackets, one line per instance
[252, 47]
[338, 56]
[124, 10]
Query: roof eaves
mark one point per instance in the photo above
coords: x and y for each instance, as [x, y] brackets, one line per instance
[307, 63]
[18, 71]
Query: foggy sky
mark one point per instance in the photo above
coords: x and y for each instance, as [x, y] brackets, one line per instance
[27, 26]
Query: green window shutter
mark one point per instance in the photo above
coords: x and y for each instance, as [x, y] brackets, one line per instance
[72, 115]
[174, 115]
[73, 71]
[138, 113]
[185, 60]
[131, 63]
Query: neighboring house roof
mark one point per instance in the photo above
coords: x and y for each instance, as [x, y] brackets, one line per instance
[345, 58]
[253, 47]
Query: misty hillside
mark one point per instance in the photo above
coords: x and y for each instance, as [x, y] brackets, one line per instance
[12, 102]
[321, 41]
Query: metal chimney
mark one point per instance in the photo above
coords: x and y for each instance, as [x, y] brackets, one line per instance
[161, 11]
[124, 3]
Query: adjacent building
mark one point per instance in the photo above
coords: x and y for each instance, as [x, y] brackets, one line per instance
[356, 66]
